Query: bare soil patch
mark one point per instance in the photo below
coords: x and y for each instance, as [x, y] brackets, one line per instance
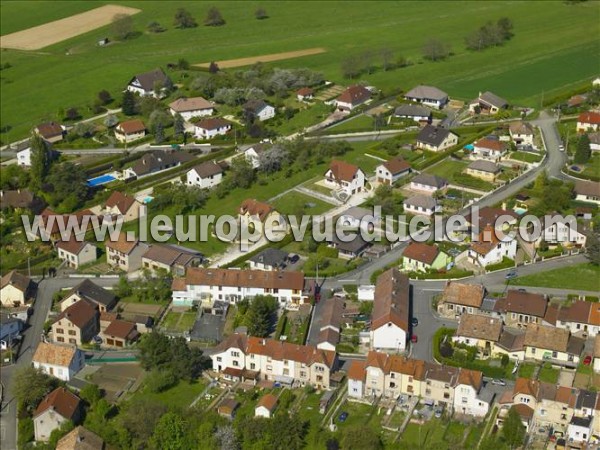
[229, 63]
[141, 308]
[117, 379]
[63, 29]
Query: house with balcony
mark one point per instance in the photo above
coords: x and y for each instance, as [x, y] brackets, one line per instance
[345, 177]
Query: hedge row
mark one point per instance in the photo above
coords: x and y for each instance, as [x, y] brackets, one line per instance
[506, 263]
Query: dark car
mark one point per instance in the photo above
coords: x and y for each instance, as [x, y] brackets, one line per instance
[510, 275]
[343, 416]
[293, 258]
[414, 321]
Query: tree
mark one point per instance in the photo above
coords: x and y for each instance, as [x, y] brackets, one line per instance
[350, 67]
[584, 151]
[40, 161]
[111, 120]
[387, 56]
[155, 27]
[91, 394]
[214, 18]
[128, 106]
[30, 386]
[122, 26]
[225, 436]
[171, 433]
[160, 380]
[213, 67]
[83, 129]
[183, 64]
[72, 114]
[261, 14]
[435, 50]
[541, 181]
[261, 315]
[505, 25]
[513, 430]
[159, 118]
[241, 174]
[178, 125]
[67, 186]
[593, 248]
[362, 437]
[183, 19]
[104, 97]
[159, 134]
[140, 415]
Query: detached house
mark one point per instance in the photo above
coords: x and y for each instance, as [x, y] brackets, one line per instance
[80, 438]
[76, 253]
[77, 324]
[157, 161]
[20, 199]
[144, 84]
[15, 289]
[417, 113]
[352, 97]
[423, 205]
[588, 121]
[391, 171]
[58, 407]
[390, 316]
[563, 232]
[485, 170]
[489, 249]
[259, 109]
[427, 95]
[211, 128]
[487, 103]
[544, 343]
[59, 361]
[427, 183]
[436, 139]
[189, 108]
[522, 134]
[206, 286]
[124, 254]
[253, 153]
[171, 258]
[587, 191]
[490, 149]
[260, 215]
[51, 132]
[269, 259]
[345, 176]
[130, 131]
[119, 334]
[103, 299]
[419, 256]
[304, 94]
[461, 298]
[122, 205]
[205, 175]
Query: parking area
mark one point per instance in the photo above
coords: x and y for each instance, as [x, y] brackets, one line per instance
[208, 327]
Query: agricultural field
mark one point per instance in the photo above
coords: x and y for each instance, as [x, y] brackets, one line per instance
[554, 38]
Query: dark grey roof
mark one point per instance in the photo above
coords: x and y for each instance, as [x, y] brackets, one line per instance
[270, 257]
[91, 291]
[488, 304]
[408, 110]
[356, 212]
[432, 135]
[171, 255]
[581, 421]
[575, 345]
[594, 138]
[424, 201]
[484, 166]
[255, 106]
[159, 160]
[356, 245]
[586, 399]
[148, 79]
[511, 340]
[7, 318]
[426, 93]
[493, 99]
[207, 169]
[428, 179]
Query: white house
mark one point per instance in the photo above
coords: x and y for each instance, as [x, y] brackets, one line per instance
[436, 139]
[580, 317]
[24, 157]
[253, 152]
[560, 232]
[597, 354]
[345, 176]
[417, 113]
[352, 97]
[428, 95]
[356, 379]
[304, 94]
[189, 108]
[259, 109]
[579, 430]
[58, 360]
[58, 407]
[587, 191]
[130, 131]
[389, 320]
[205, 175]
[489, 249]
[423, 205]
[522, 134]
[266, 406]
[144, 84]
[15, 289]
[208, 285]
[391, 171]
[269, 259]
[466, 399]
[210, 128]
[427, 183]
[490, 149]
[588, 121]
[76, 253]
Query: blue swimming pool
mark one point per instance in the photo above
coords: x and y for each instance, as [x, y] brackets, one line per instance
[98, 181]
[148, 200]
[520, 211]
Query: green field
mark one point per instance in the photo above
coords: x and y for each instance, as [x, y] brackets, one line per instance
[553, 47]
[582, 276]
[294, 202]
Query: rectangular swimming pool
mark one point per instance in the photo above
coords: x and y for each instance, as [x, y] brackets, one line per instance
[98, 181]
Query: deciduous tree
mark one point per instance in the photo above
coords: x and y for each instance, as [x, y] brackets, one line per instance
[30, 386]
[104, 97]
[184, 19]
[261, 14]
[584, 151]
[436, 50]
[122, 26]
[214, 18]
[513, 430]
[40, 161]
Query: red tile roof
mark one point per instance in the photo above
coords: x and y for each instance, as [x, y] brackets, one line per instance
[590, 117]
[121, 329]
[131, 126]
[342, 170]
[198, 276]
[421, 252]
[268, 401]
[391, 300]
[213, 123]
[357, 371]
[396, 165]
[62, 401]
[121, 201]
[355, 95]
[255, 208]
[491, 144]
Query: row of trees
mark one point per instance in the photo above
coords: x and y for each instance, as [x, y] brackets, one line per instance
[490, 35]
[258, 314]
[369, 61]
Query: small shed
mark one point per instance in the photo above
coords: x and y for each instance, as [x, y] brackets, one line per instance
[228, 407]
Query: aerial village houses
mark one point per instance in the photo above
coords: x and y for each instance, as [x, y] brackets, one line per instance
[205, 175]
[580, 317]
[588, 121]
[352, 97]
[487, 103]
[122, 205]
[189, 108]
[436, 139]
[76, 253]
[427, 95]
[269, 259]
[489, 249]
[391, 171]
[58, 360]
[51, 223]
[522, 134]
[261, 216]
[560, 232]
[345, 176]
[490, 149]
[170, 258]
[417, 113]
[58, 407]
[125, 255]
[330, 325]
[51, 132]
[485, 170]
[205, 286]
[389, 320]
[20, 199]
[423, 205]
[119, 334]
[547, 343]
[145, 84]
[428, 183]
[77, 324]
[259, 109]
[15, 289]
[349, 249]
[104, 299]
[587, 191]
[130, 131]
[211, 127]
[242, 357]
[253, 153]
[459, 298]
[419, 256]
[519, 309]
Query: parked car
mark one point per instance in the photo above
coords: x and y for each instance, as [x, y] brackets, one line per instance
[498, 382]
[414, 321]
[343, 416]
[510, 275]
[414, 339]
[561, 147]
[587, 360]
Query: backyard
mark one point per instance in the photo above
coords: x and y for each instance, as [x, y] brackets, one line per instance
[179, 321]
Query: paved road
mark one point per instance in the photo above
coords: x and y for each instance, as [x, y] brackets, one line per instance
[31, 338]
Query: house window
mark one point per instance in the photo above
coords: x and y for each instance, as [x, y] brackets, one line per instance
[303, 374]
[219, 359]
[60, 331]
[269, 367]
[392, 385]
[236, 364]
[446, 395]
[252, 366]
[235, 354]
[72, 332]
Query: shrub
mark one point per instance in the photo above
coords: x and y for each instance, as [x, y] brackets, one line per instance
[160, 380]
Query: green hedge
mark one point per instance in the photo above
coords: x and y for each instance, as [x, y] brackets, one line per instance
[26, 432]
[280, 325]
[440, 275]
[506, 263]
[581, 175]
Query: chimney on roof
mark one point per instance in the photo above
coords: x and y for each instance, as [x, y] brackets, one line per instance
[263, 342]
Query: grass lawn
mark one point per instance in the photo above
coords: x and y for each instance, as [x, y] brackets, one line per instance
[428, 435]
[304, 118]
[584, 276]
[553, 47]
[526, 370]
[358, 124]
[526, 157]
[548, 374]
[592, 168]
[179, 321]
[447, 168]
[294, 202]
[179, 396]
